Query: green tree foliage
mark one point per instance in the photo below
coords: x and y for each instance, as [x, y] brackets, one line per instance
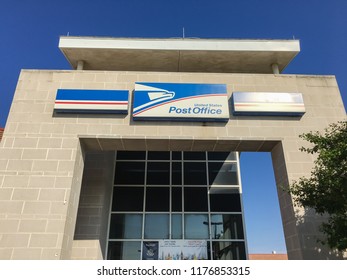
[326, 190]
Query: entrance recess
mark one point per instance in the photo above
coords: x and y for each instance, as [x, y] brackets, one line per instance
[294, 228]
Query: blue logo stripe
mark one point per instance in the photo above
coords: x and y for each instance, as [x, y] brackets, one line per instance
[91, 101]
[95, 95]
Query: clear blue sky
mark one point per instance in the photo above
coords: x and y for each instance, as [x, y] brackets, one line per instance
[30, 30]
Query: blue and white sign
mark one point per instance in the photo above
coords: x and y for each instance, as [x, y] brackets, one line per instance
[267, 103]
[166, 101]
[91, 101]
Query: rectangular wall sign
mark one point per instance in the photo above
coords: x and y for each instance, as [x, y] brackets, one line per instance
[267, 103]
[91, 101]
[198, 102]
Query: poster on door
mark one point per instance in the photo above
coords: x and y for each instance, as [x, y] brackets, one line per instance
[182, 250]
[150, 250]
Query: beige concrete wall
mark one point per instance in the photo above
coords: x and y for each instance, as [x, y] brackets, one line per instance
[41, 160]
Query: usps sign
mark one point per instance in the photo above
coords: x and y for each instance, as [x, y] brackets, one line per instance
[167, 101]
[91, 101]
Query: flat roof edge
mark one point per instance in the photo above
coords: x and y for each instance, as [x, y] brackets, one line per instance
[180, 44]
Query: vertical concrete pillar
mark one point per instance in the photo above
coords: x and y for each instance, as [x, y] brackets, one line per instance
[72, 203]
[275, 68]
[80, 65]
[291, 235]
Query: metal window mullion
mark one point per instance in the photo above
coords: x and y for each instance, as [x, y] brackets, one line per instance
[182, 196]
[209, 206]
[170, 196]
[144, 200]
[241, 202]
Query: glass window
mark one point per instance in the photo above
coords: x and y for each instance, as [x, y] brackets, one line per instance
[176, 155]
[194, 155]
[127, 199]
[222, 173]
[124, 250]
[176, 199]
[158, 155]
[226, 226]
[123, 155]
[195, 199]
[225, 202]
[130, 173]
[177, 173]
[158, 199]
[158, 173]
[195, 173]
[228, 250]
[222, 156]
[176, 226]
[125, 226]
[157, 226]
[158, 195]
[196, 226]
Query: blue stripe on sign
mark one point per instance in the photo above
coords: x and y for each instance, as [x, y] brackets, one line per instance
[84, 94]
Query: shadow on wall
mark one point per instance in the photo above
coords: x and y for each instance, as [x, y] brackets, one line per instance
[94, 204]
[313, 239]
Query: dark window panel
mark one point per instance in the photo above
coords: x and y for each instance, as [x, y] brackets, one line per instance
[227, 226]
[176, 155]
[125, 226]
[225, 202]
[159, 155]
[222, 173]
[228, 250]
[177, 173]
[194, 155]
[195, 173]
[195, 199]
[157, 199]
[158, 173]
[128, 199]
[130, 173]
[221, 156]
[136, 155]
[124, 250]
[176, 199]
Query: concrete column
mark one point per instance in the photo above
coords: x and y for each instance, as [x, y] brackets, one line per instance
[275, 68]
[80, 65]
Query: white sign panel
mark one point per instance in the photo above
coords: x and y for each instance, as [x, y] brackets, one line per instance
[268, 103]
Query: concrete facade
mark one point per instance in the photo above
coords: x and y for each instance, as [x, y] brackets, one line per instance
[51, 207]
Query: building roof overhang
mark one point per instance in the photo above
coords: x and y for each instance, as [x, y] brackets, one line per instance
[179, 55]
